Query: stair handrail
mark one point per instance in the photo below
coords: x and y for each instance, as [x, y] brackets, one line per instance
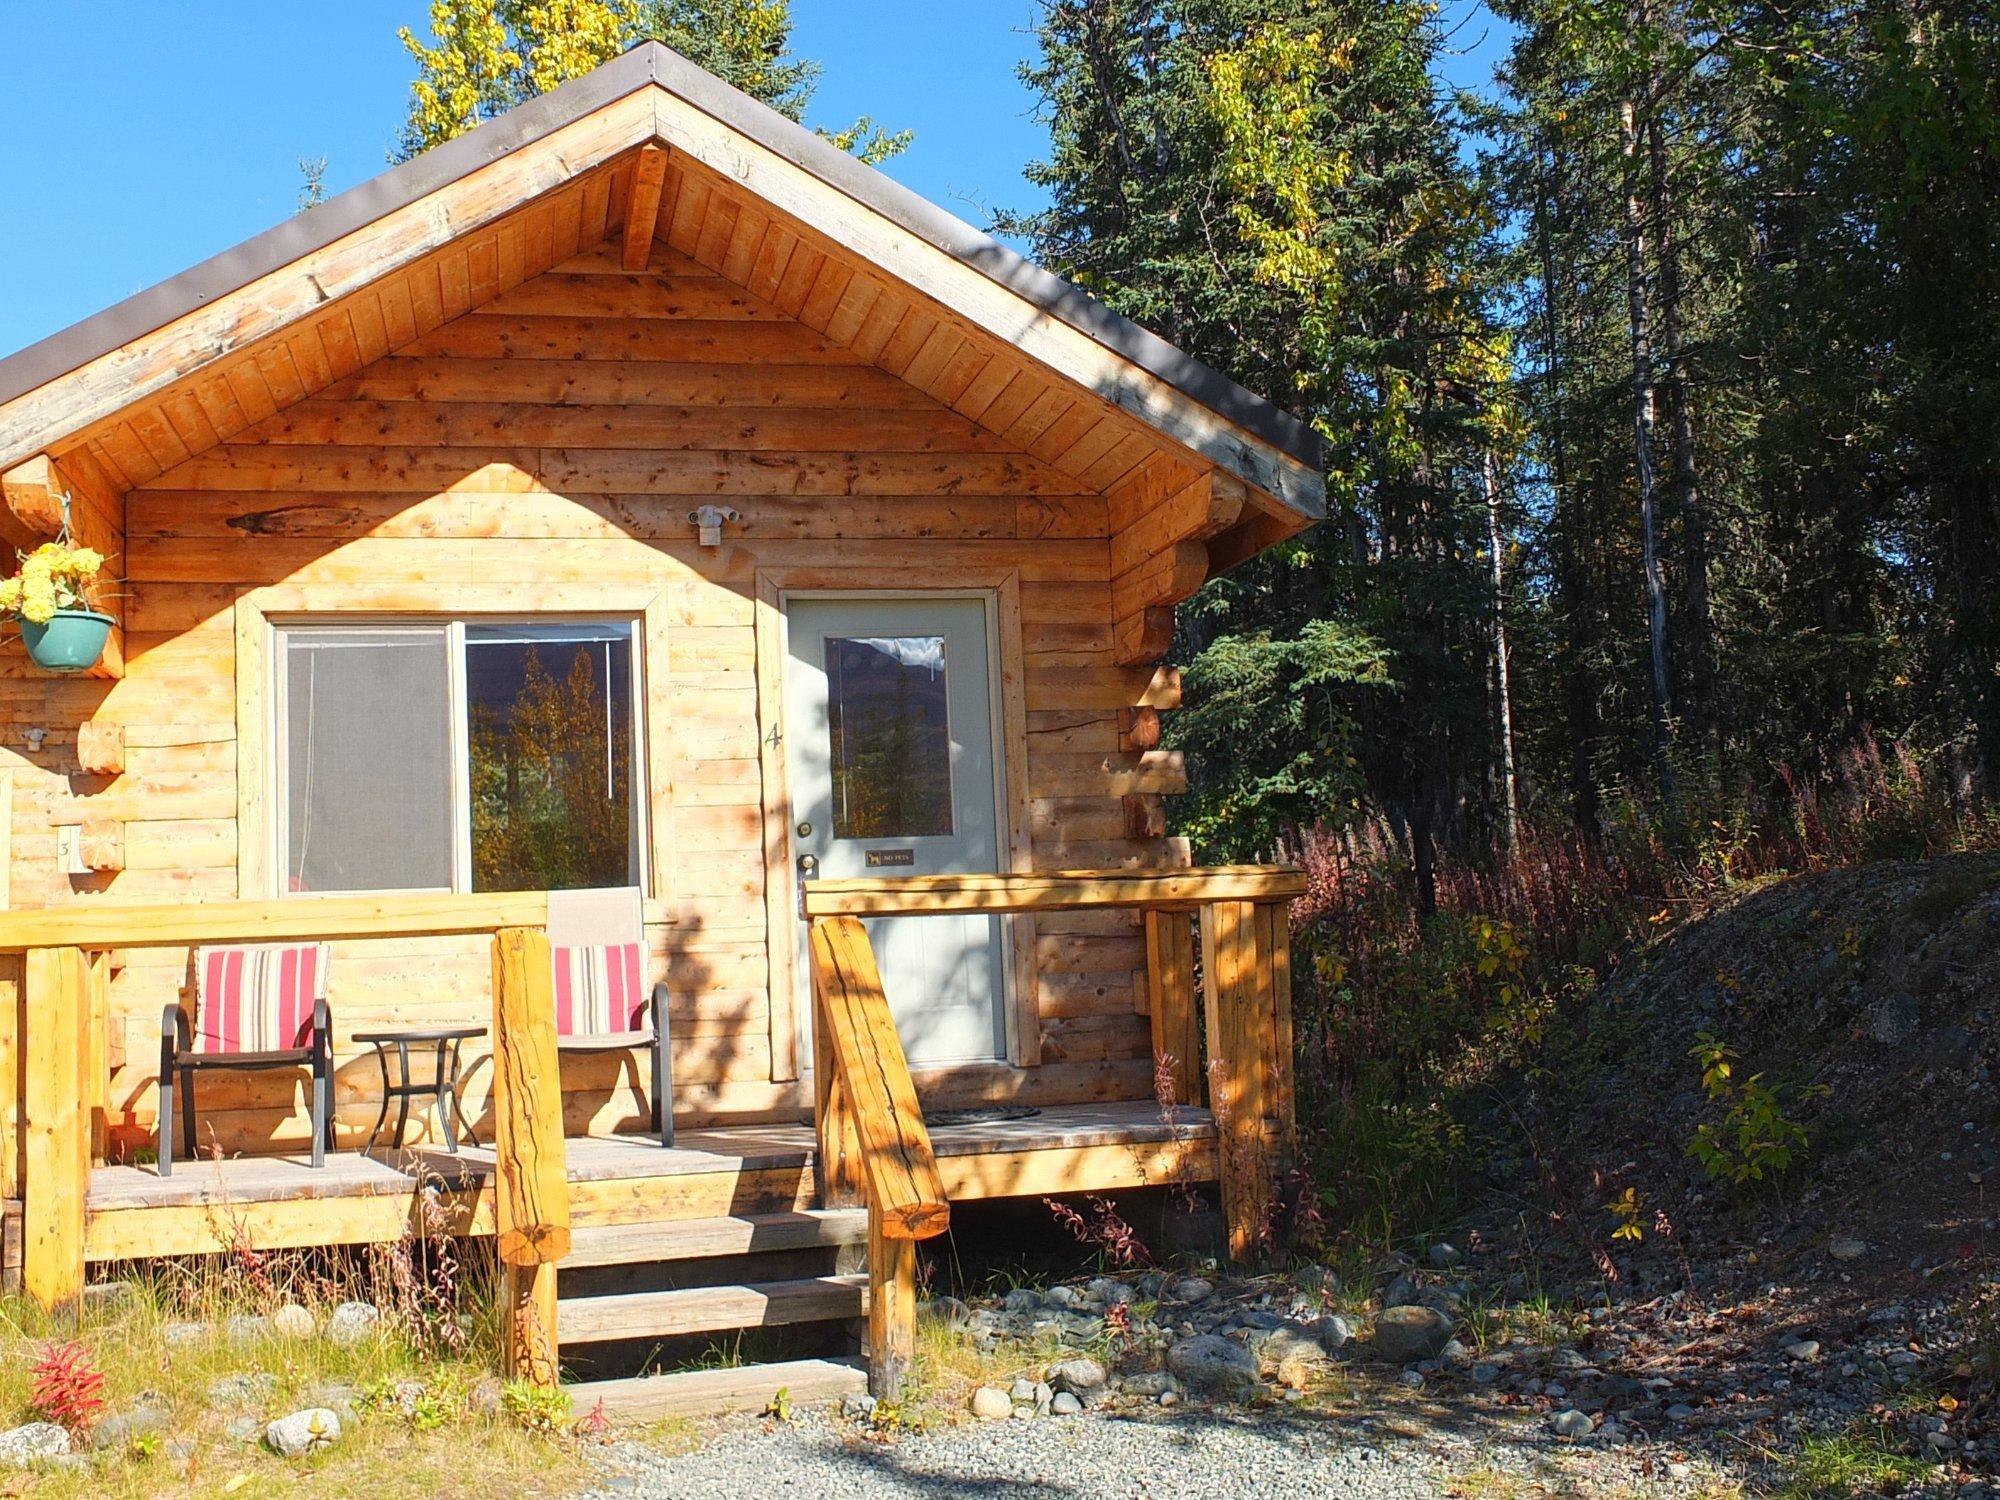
[872, 1140]
[871, 1076]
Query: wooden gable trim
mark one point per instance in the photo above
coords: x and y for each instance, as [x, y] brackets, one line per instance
[55, 413]
[642, 206]
[719, 157]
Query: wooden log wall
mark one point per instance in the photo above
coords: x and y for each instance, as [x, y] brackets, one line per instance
[528, 454]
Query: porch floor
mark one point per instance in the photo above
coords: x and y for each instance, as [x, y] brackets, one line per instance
[274, 1201]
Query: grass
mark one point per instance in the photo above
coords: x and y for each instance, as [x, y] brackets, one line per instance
[440, 1448]
[1862, 1460]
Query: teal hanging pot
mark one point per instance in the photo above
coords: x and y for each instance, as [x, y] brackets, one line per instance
[71, 640]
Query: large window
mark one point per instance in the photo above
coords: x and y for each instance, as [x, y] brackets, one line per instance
[467, 756]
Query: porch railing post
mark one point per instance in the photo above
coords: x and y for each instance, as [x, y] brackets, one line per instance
[531, 1193]
[1170, 1001]
[55, 1107]
[1240, 1047]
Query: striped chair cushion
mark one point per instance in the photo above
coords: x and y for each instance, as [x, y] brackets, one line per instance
[258, 999]
[601, 990]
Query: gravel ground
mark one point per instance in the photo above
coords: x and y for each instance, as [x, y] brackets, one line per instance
[1191, 1454]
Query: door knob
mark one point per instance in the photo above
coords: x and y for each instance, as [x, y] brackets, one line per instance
[809, 865]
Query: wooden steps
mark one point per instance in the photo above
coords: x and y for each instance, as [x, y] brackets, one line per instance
[709, 1309]
[647, 1398]
[693, 1239]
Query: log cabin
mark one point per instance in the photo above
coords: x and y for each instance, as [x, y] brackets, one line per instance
[633, 494]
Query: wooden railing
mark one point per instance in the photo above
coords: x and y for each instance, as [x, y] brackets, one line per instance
[57, 1047]
[1244, 950]
[873, 1147]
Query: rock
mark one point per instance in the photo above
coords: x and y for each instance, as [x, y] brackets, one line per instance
[486, 1396]
[1940, 1441]
[1111, 1293]
[353, 1323]
[1023, 1389]
[1062, 1296]
[1334, 1333]
[991, 1404]
[1443, 1254]
[1455, 1352]
[180, 1335]
[1485, 1374]
[107, 1296]
[1400, 1292]
[247, 1328]
[1022, 1299]
[1291, 1355]
[1894, 1021]
[338, 1397]
[1065, 1405]
[1804, 1349]
[303, 1432]
[143, 1418]
[1569, 1424]
[1151, 1383]
[1404, 1335]
[1846, 1249]
[234, 1392]
[1680, 1411]
[293, 1322]
[1080, 1375]
[32, 1443]
[858, 1406]
[945, 1312]
[1214, 1365]
[1192, 1289]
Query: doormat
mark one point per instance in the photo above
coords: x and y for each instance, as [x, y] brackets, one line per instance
[982, 1114]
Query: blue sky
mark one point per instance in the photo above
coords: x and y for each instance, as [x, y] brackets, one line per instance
[139, 138]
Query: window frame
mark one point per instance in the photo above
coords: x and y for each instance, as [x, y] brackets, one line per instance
[278, 624]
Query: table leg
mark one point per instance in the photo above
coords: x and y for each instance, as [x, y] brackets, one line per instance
[446, 1075]
[382, 1059]
[403, 1094]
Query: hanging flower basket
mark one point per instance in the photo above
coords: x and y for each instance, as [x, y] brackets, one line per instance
[51, 598]
[70, 640]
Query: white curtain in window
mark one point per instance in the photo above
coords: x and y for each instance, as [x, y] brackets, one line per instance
[368, 759]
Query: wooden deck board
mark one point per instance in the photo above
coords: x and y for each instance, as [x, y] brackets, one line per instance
[284, 1200]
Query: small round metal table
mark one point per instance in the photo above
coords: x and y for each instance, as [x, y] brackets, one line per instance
[442, 1085]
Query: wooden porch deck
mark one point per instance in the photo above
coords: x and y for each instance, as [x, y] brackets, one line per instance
[275, 1202]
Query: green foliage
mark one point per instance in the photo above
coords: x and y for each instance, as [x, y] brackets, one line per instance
[485, 56]
[1269, 730]
[1756, 1141]
[1862, 1460]
[541, 1410]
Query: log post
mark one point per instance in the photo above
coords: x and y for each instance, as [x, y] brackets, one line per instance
[531, 1195]
[1239, 1052]
[57, 1165]
[892, 1310]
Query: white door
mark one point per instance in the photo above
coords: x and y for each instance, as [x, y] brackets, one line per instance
[889, 738]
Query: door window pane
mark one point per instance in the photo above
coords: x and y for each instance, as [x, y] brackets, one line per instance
[549, 737]
[368, 765]
[890, 736]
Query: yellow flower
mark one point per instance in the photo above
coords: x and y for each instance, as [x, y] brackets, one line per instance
[38, 599]
[10, 595]
[85, 561]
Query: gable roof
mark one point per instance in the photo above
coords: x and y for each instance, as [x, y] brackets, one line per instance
[729, 142]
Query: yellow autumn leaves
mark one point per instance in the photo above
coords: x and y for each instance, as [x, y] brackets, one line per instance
[54, 576]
